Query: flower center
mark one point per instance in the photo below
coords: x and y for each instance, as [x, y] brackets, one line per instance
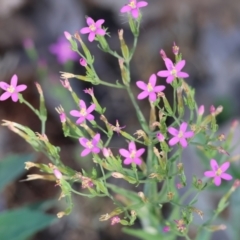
[83, 112]
[10, 89]
[149, 87]
[174, 72]
[219, 172]
[180, 134]
[132, 154]
[89, 144]
[132, 4]
[92, 27]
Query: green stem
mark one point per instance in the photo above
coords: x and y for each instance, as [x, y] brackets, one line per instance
[22, 100]
[141, 118]
[110, 84]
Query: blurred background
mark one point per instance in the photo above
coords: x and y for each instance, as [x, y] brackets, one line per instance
[207, 33]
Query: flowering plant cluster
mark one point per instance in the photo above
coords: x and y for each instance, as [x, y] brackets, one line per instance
[152, 157]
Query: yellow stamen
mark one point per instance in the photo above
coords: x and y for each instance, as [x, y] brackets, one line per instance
[89, 144]
[219, 172]
[83, 112]
[149, 87]
[10, 89]
[132, 4]
[92, 27]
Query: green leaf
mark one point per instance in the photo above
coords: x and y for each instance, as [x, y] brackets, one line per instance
[12, 167]
[142, 234]
[20, 224]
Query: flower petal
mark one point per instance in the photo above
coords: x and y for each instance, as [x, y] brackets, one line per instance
[83, 141]
[169, 64]
[5, 96]
[159, 88]
[173, 141]
[137, 161]
[90, 117]
[14, 80]
[125, 9]
[183, 127]
[91, 36]
[173, 131]
[96, 138]
[183, 142]
[82, 104]
[14, 97]
[20, 88]
[179, 66]
[214, 164]
[124, 153]
[91, 108]
[226, 176]
[75, 113]
[96, 150]
[182, 75]
[127, 161]
[90, 21]
[85, 30]
[164, 73]
[80, 120]
[142, 85]
[135, 13]
[132, 146]
[99, 23]
[152, 96]
[100, 31]
[85, 152]
[209, 174]
[153, 80]
[170, 79]
[188, 134]
[142, 95]
[217, 181]
[225, 166]
[4, 86]
[140, 152]
[142, 4]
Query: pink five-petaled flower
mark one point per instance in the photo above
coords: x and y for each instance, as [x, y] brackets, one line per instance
[94, 28]
[12, 90]
[218, 172]
[133, 7]
[84, 113]
[62, 49]
[173, 71]
[132, 155]
[149, 89]
[90, 146]
[180, 135]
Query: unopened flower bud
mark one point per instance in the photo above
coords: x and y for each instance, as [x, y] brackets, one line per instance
[67, 35]
[170, 196]
[163, 54]
[117, 175]
[61, 113]
[175, 49]
[57, 173]
[29, 165]
[60, 214]
[201, 110]
[115, 220]
[160, 137]
[212, 110]
[166, 229]
[65, 83]
[83, 62]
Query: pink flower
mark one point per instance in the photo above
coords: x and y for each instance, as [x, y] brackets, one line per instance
[133, 7]
[90, 146]
[84, 113]
[94, 28]
[133, 155]
[115, 220]
[89, 91]
[57, 173]
[180, 136]
[218, 172]
[62, 49]
[12, 90]
[173, 71]
[160, 137]
[149, 89]
[166, 229]
[201, 110]
[83, 62]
